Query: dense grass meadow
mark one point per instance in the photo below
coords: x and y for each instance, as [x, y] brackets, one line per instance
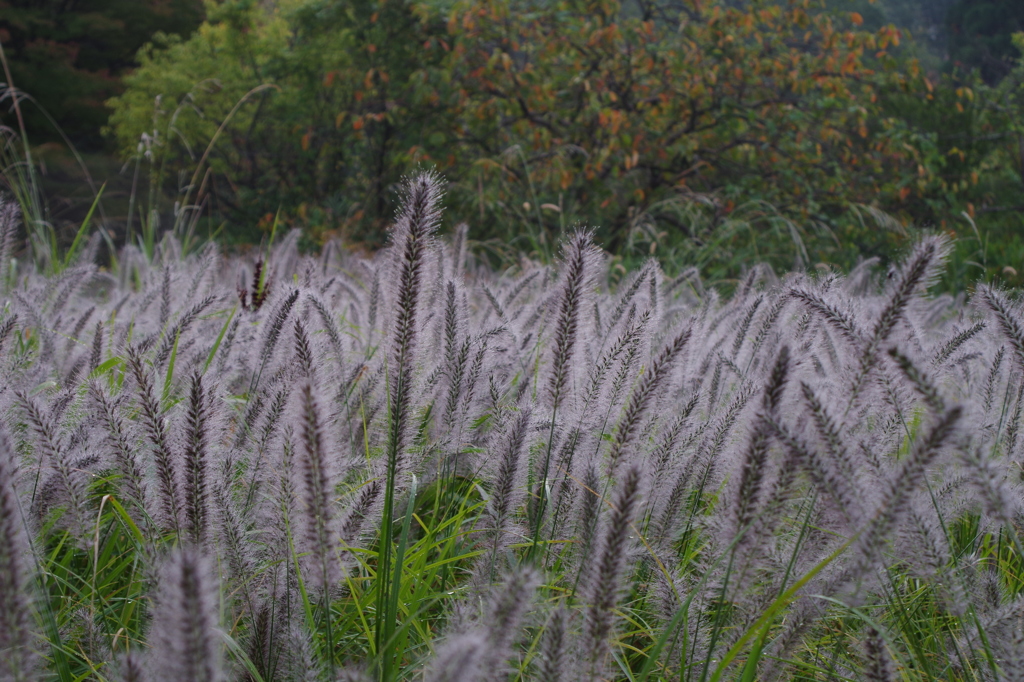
[407, 466]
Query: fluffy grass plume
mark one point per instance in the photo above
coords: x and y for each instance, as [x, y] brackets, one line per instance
[16, 632]
[185, 644]
[407, 466]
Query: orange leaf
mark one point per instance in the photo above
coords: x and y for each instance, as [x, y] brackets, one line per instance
[856, 18]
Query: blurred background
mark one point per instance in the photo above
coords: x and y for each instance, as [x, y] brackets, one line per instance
[715, 133]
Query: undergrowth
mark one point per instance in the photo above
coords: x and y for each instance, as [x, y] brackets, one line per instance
[411, 467]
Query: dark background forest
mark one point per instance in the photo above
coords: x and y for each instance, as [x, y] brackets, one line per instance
[704, 132]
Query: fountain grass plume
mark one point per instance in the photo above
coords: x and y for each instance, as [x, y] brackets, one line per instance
[554, 654]
[278, 317]
[835, 471]
[18, 659]
[165, 296]
[6, 327]
[741, 332]
[604, 584]
[318, 481]
[1008, 319]
[185, 645]
[579, 256]
[507, 483]
[416, 223]
[96, 353]
[303, 349]
[879, 663]
[133, 482]
[646, 390]
[460, 659]
[747, 491]
[957, 341]
[53, 454]
[508, 606]
[166, 463]
[404, 473]
[330, 327]
[919, 271]
[919, 380]
[837, 319]
[410, 238]
[195, 462]
[896, 496]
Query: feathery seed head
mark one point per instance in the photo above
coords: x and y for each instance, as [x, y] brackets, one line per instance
[605, 581]
[579, 256]
[18, 660]
[184, 642]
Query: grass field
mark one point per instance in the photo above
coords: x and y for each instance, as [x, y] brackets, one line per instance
[410, 467]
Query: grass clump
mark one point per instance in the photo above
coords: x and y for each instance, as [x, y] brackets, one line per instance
[411, 467]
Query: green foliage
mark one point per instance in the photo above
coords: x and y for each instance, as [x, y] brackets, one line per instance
[344, 120]
[980, 36]
[601, 112]
[713, 132]
[924, 20]
[969, 141]
[69, 56]
[620, 117]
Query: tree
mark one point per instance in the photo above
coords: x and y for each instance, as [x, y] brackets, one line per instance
[616, 113]
[68, 55]
[981, 36]
[540, 113]
[347, 116]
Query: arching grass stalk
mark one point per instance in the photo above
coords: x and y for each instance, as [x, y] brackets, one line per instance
[578, 252]
[206, 154]
[417, 222]
[24, 184]
[783, 600]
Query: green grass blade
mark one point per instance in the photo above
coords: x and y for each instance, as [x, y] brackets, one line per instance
[238, 653]
[391, 613]
[780, 603]
[750, 669]
[220, 337]
[170, 371]
[106, 366]
[73, 249]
